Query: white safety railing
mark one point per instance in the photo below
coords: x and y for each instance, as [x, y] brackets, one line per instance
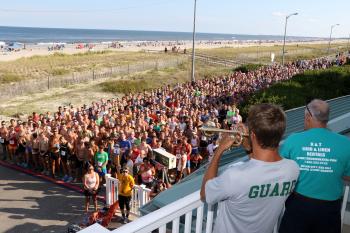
[171, 214]
[168, 217]
[112, 185]
[140, 194]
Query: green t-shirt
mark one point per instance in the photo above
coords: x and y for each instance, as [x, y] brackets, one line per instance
[137, 141]
[323, 158]
[101, 158]
[99, 121]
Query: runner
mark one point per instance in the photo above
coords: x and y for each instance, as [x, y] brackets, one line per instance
[91, 184]
[3, 139]
[44, 153]
[55, 158]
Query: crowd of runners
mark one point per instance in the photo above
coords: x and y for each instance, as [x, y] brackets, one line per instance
[121, 133]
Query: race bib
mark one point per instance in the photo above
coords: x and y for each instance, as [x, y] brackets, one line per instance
[2, 140]
[12, 142]
[63, 153]
[99, 164]
[178, 156]
[116, 150]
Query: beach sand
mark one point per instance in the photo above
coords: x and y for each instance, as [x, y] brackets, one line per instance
[134, 46]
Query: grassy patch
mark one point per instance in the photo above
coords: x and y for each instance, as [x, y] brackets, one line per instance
[248, 67]
[61, 63]
[57, 72]
[262, 54]
[158, 78]
[9, 78]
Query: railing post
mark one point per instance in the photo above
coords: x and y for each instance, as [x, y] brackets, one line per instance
[111, 190]
[345, 202]
[108, 190]
[210, 219]
[199, 220]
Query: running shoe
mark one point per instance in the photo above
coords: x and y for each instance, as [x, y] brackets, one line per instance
[69, 179]
[65, 178]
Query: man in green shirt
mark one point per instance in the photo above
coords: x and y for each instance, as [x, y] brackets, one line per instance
[324, 159]
[101, 160]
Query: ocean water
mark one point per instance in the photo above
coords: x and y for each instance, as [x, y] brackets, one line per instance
[46, 35]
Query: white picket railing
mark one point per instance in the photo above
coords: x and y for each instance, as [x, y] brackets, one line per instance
[168, 217]
[140, 194]
[186, 206]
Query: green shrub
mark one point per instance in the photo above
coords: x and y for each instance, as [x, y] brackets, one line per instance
[9, 77]
[59, 71]
[126, 86]
[247, 67]
[322, 84]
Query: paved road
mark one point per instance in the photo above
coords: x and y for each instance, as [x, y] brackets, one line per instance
[29, 204]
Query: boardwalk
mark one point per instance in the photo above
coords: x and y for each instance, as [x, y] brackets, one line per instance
[29, 204]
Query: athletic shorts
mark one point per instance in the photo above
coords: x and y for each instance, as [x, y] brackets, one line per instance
[79, 164]
[64, 158]
[35, 151]
[102, 173]
[89, 193]
[46, 155]
[194, 150]
[54, 155]
[29, 149]
[188, 164]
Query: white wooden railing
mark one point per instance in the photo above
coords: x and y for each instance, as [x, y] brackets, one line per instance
[140, 194]
[191, 205]
[186, 206]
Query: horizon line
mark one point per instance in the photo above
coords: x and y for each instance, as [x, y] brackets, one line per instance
[220, 33]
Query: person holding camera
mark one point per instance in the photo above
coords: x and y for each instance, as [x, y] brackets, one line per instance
[252, 193]
[91, 183]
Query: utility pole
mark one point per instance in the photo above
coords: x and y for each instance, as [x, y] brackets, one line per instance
[193, 78]
[330, 37]
[285, 33]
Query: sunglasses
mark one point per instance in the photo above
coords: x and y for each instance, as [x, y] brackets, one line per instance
[308, 110]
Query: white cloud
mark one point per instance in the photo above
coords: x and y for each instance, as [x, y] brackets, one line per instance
[312, 20]
[278, 14]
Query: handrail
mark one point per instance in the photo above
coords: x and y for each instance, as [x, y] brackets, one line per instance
[184, 206]
[140, 194]
[164, 215]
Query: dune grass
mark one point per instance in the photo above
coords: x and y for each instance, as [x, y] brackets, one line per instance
[61, 64]
[262, 54]
[158, 78]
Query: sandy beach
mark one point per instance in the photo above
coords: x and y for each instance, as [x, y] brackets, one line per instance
[29, 50]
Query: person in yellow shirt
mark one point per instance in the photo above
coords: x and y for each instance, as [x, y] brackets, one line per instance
[126, 183]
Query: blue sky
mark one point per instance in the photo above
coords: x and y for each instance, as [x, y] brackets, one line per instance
[218, 16]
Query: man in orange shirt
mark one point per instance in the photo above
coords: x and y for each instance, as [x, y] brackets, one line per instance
[126, 184]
